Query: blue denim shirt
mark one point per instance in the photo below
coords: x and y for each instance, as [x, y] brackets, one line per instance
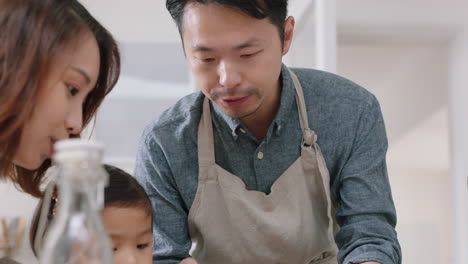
[351, 134]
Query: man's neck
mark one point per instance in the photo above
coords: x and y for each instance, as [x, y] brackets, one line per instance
[259, 122]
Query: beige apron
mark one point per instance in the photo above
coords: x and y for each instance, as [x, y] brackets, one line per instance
[291, 225]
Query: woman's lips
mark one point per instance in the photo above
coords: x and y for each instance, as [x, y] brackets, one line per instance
[235, 101]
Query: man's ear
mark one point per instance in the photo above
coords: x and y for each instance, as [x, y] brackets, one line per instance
[288, 33]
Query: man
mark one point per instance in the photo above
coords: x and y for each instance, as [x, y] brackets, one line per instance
[265, 162]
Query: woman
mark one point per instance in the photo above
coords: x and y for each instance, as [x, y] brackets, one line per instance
[57, 63]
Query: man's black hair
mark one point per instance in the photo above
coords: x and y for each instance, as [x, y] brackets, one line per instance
[275, 10]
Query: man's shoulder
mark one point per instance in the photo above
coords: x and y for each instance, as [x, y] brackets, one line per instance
[329, 87]
[176, 122]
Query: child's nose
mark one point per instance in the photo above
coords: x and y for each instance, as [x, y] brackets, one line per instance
[126, 257]
[131, 258]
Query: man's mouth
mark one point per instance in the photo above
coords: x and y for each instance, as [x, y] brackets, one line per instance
[234, 101]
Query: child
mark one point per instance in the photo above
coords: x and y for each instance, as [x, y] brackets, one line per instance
[127, 218]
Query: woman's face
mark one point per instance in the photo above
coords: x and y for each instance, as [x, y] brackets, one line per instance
[58, 109]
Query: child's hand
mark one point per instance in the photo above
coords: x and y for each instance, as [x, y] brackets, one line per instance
[188, 261]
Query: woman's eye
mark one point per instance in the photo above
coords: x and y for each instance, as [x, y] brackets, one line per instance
[142, 246]
[247, 55]
[72, 89]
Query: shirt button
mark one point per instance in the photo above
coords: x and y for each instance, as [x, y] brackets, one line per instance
[242, 130]
[260, 155]
[234, 134]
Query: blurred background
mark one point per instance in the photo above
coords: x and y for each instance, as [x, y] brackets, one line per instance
[412, 54]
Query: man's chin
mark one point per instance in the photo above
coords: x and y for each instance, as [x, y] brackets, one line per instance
[239, 114]
[240, 111]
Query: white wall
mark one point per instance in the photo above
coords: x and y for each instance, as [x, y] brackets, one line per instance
[423, 14]
[458, 97]
[138, 21]
[409, 76]
[125, 113]
[302, 51]
[418, 165]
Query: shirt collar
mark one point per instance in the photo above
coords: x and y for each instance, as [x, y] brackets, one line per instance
[288, 94]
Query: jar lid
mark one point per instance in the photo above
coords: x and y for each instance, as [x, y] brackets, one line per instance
[74, 150]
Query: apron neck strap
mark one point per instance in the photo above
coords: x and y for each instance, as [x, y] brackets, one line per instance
[206, 154]
[301, 108]
[308, 136]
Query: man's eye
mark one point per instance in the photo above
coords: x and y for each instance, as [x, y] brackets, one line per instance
[250, 55]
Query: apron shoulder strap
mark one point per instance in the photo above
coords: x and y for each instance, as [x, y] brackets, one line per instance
[206, 153]
[309, 138]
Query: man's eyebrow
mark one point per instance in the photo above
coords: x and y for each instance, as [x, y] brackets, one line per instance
[246, 44]
[201, 48]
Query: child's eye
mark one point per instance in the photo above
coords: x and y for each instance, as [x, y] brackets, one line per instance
[142, 246]
[207, 60]
[115, 249]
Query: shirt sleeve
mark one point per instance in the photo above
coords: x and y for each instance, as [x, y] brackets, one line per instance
[366, 212]
[171, 240]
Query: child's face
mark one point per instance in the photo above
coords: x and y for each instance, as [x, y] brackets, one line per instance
[130, 230]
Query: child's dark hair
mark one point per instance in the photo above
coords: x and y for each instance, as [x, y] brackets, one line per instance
[123, 191]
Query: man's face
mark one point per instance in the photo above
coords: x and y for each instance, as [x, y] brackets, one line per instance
[235, 58]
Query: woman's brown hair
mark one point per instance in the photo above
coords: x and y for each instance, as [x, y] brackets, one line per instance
[33, 34]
